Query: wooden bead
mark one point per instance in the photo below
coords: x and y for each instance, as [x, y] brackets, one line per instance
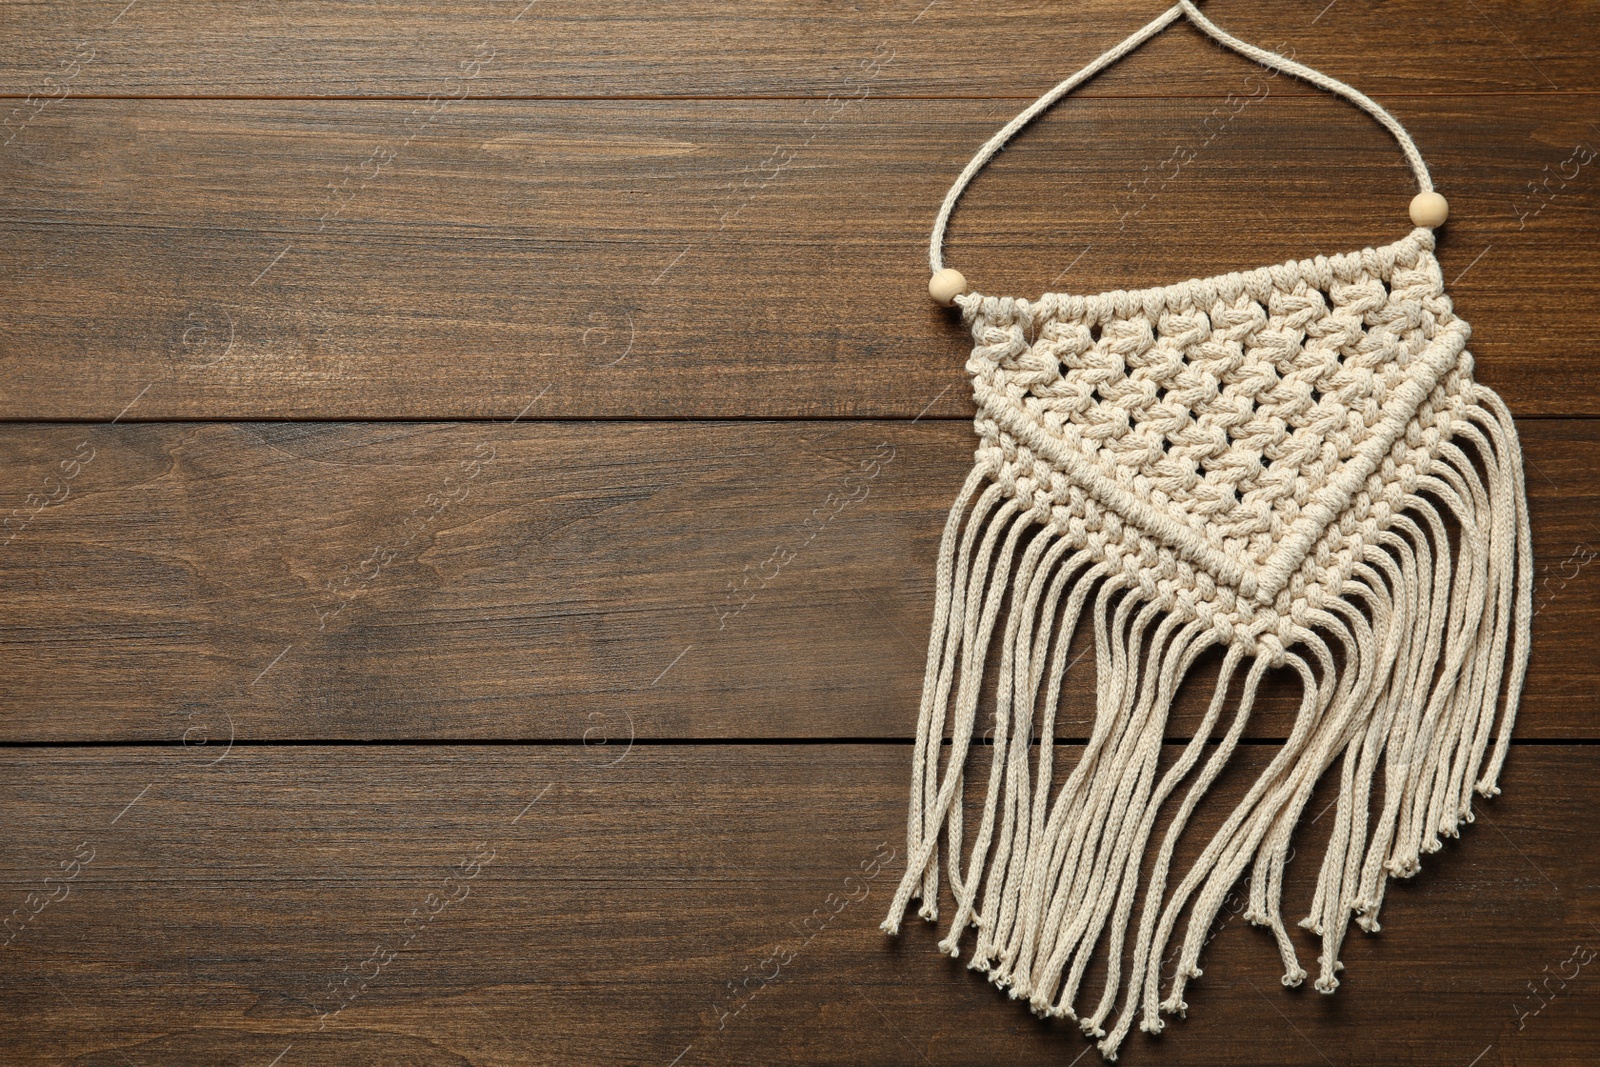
[945, 286]
[1429, 209]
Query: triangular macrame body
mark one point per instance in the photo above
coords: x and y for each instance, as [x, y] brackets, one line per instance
[1293, 464]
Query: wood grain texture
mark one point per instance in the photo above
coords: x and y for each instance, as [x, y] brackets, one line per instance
[544, 580]
[615, 918]
[277, 678]
[769, 47]
[382, 259]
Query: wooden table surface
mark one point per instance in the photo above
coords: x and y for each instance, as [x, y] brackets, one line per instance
[402, 407]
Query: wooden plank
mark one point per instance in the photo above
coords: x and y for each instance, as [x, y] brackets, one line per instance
[614, 920]
[552, 580]
[250, 259]
[533, 48]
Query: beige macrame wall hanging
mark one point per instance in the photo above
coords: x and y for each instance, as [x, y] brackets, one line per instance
[1293, 464]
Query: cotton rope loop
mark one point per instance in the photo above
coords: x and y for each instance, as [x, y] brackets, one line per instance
[1291, 466]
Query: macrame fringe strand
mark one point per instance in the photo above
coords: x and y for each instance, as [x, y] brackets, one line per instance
[1402, 676]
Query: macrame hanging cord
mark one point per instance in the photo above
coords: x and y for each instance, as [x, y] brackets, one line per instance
[1292, 465]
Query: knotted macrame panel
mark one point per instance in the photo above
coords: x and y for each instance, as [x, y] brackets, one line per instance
[1233, 420]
